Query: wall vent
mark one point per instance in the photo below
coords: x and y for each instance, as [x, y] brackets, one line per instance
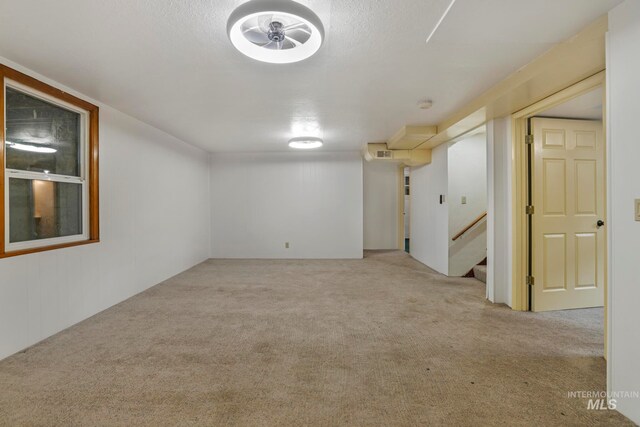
[379, 152]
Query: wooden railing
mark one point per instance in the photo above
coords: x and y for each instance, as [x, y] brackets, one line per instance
[469, 227]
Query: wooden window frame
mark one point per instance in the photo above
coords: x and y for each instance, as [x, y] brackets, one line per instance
[93, 154]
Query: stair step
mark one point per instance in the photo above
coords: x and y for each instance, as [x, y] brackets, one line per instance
[480, 273]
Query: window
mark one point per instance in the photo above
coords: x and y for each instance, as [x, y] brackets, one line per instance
[49, 173]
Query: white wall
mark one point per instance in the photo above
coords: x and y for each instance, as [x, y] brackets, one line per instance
[467, 177]
[262, 200]
[380, 205]
[623, 69]
[154, 210]
[430, 219]
[499, 211]
[467, 174]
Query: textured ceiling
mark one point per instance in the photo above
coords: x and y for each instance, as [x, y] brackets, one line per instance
[170, 64]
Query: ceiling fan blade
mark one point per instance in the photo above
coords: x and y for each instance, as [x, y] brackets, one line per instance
[290, 43]
[303, 30]
[299, 35]
[264, 22]
[270, 45]
[256, 36]
[295, 26]
[253, 28]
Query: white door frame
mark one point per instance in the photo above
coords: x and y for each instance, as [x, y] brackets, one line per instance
[520, 297]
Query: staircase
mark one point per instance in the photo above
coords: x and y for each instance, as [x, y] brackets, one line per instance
[480, 273]
[468, 248]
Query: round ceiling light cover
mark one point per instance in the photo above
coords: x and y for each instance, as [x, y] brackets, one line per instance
[305, 143]
[275, 31]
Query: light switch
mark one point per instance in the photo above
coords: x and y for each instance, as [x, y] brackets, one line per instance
[637, 209]
[464, 200]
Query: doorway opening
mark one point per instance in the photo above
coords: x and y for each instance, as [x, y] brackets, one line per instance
[560, 201]
[567, 248]
[560, 205]
[467, 205]
[406, 212]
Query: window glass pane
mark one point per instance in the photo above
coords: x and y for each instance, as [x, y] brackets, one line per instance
[43, 209]
[41, 136]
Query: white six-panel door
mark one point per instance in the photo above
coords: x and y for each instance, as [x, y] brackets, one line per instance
[568, 245]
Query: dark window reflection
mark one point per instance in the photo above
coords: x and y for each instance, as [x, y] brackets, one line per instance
[43, 209]
[41, 136]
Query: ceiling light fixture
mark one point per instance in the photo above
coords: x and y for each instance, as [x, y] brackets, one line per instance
[275, 31]
[31, 148]
[425, 104]
[305, 143]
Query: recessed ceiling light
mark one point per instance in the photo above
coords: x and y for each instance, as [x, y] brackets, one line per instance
[275, 31]
[305, 143]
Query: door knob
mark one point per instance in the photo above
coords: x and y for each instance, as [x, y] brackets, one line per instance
[600, 223]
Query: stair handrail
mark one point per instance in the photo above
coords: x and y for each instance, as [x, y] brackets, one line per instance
[469, 227]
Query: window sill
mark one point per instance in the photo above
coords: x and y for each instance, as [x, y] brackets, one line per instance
[47, 248]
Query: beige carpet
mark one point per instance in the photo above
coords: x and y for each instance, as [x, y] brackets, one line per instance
[384, 341]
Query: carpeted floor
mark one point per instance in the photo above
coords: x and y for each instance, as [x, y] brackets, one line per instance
[383, 341]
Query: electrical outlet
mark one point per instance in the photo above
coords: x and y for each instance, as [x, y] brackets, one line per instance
[287, 245]
[637, 209]
[464, 200]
